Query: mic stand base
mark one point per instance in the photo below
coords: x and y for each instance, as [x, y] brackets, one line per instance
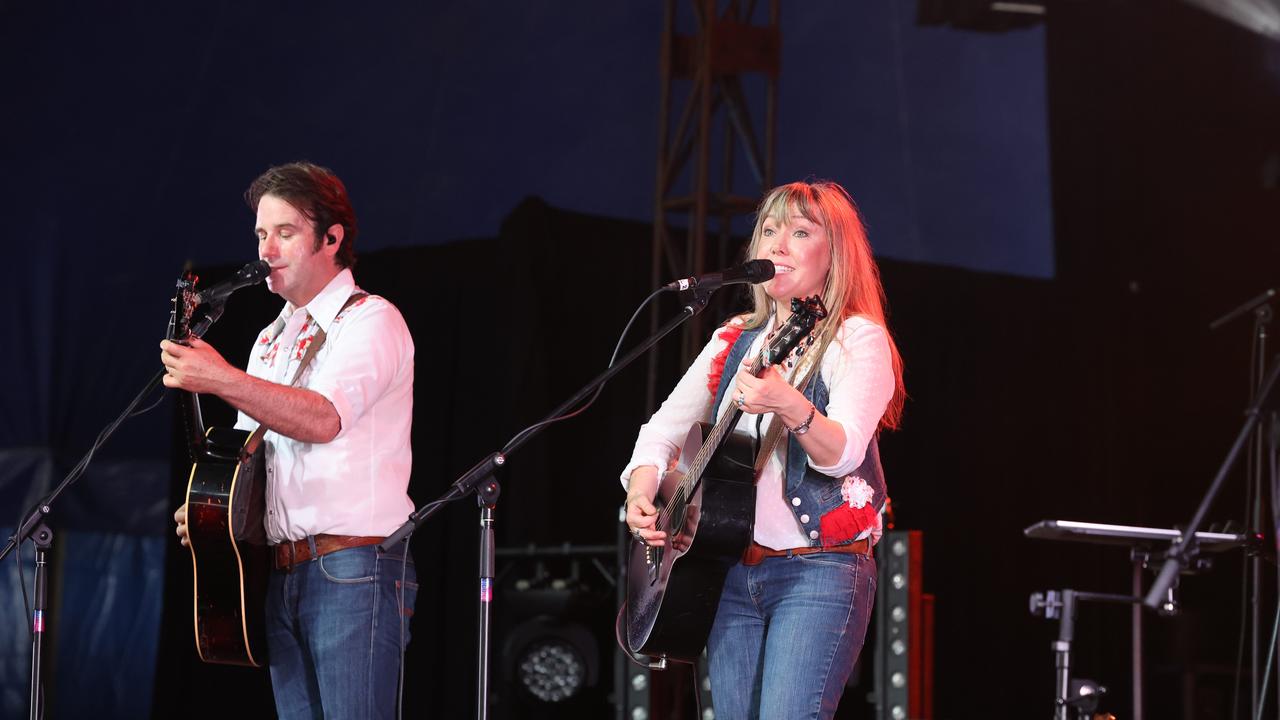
[1061, 606]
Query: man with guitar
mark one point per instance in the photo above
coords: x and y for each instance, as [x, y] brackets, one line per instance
[793, 608]
[337, 452]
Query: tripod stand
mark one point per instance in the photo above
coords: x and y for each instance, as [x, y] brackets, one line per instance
[1253, 433]
[1140, 541]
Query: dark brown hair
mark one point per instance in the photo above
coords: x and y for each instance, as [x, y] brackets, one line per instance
[318, 194]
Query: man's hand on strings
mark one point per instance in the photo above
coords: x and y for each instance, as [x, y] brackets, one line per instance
[196, 367]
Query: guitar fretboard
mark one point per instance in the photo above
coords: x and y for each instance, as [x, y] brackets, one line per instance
[675, 509]
[804, 315]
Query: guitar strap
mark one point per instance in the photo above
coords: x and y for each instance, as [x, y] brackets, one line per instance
[251, 446]
[805, 372]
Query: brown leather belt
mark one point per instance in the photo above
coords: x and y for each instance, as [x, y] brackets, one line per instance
[296, 552]
[756, 553]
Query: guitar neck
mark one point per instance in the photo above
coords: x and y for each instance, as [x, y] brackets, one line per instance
[804, 315]
[193, 421]
[722, 428]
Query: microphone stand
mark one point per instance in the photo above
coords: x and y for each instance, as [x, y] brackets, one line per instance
[1185, 548]
[479, 479]
[1253, 481]
[33, 528]
[1260, 307]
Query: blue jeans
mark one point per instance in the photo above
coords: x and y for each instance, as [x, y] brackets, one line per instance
[787, 634]
[333, 634]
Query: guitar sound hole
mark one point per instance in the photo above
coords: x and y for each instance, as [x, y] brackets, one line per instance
[679, 506]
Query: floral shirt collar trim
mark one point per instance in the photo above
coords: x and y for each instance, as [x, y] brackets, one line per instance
[324, 307]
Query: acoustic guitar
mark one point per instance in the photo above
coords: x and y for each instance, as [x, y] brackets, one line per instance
[707, 507]
[225, 505]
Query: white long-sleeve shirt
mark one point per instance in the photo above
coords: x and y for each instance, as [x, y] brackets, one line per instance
[357, 483]
[858, 371]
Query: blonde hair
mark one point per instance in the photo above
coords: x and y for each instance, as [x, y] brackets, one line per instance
[853, 284]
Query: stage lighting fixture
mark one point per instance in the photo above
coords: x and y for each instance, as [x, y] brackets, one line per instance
[903, 649]
[552, 619]
[558, 663]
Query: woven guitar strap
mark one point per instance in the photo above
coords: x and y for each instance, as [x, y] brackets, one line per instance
[805, 372]
[317, 340]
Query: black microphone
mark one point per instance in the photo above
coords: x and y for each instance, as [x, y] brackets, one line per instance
[251, 274]
[752, 271]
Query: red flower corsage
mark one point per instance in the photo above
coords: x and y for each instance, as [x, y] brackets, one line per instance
[730, 334]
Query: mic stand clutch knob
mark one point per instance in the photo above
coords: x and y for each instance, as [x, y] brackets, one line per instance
[206, 315]
[1046, 605]
[695, 299]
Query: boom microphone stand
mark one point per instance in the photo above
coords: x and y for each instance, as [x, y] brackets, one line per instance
[33, 528]
[1184, 550]
[1260, 308]
[479, 479]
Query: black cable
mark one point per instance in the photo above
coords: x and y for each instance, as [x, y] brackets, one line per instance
[434, 503]
[1266, 674]
[149, 408]
[98, 442]
[75, 474]
[520, 435]
[26, 602]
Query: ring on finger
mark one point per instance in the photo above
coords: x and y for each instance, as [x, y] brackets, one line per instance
[741, 399]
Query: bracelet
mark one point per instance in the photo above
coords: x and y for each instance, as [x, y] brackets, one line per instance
[803, 427]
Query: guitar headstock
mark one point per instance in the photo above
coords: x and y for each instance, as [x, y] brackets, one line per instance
[184, 305]
[805, 315]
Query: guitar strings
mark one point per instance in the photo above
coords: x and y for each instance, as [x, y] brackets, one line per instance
[688, 485]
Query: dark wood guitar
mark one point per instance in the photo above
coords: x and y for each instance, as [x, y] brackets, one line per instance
[707, 507]
[225, 506]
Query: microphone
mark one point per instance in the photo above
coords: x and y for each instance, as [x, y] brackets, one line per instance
[251, 274]
[752, 271]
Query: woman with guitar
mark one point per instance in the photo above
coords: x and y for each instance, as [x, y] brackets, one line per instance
[793, 609]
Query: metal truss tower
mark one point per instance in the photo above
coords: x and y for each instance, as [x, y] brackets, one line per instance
[714, 55]
[720, 56]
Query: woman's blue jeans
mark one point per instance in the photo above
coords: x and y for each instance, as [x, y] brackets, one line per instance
[787, 634]
[334, 629]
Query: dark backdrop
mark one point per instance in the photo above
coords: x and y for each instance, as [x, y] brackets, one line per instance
[1098, 394]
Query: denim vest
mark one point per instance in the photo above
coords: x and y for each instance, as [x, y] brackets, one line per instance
[812, 489]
